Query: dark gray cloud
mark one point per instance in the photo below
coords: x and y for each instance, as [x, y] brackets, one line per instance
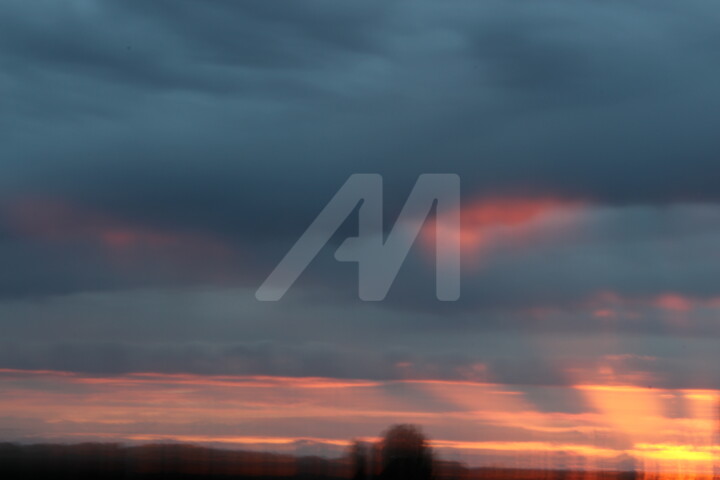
[220, 333]
[226, 126]
[226, 101]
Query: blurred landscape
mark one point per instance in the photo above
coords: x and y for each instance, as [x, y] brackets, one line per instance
[403, 454]
[113, 461]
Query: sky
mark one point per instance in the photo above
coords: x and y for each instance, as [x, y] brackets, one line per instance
[160, 158]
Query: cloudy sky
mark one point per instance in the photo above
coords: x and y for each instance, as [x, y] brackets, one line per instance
[159, 158]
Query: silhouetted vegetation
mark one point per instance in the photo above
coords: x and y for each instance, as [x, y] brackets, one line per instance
[405, 454]
[360, 460]
[402, 454]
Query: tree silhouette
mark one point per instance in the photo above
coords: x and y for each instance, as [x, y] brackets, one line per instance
[405, 454]
[360, 460]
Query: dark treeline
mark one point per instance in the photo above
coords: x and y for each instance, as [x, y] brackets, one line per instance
[403, 454]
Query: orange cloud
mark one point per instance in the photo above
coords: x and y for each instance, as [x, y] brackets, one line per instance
[674, 302]
[673, 308]
[506, 221]
[124, 241]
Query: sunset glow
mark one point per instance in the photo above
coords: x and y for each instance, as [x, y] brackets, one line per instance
[624, 420]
